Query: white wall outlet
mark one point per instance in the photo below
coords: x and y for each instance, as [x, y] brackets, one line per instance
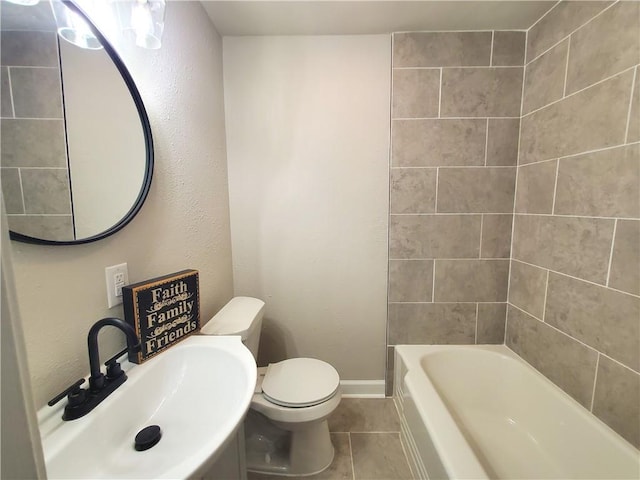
[117, 277]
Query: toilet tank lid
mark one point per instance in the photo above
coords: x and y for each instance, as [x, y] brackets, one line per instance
[235, 318]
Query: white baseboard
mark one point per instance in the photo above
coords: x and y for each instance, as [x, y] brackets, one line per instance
[362, 388]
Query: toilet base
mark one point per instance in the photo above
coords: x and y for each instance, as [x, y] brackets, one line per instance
[274, 450]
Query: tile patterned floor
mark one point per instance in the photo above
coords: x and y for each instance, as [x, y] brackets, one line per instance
[366, 436]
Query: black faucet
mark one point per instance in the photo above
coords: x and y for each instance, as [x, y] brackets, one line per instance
[97, 380]
[81, 401]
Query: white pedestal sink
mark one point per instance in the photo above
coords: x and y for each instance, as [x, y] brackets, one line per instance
[197, 392]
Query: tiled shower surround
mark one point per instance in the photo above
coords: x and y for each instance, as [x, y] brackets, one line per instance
[467, 122]
[35, 175]
[574, 298]
[455, 122]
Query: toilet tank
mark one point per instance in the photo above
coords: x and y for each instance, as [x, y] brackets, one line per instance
[241, 316]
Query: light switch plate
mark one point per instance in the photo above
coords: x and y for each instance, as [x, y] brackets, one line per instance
[117, 277]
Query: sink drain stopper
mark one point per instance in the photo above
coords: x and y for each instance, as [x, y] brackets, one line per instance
[147, 437]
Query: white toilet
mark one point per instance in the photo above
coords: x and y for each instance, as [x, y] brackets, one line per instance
[286, 430]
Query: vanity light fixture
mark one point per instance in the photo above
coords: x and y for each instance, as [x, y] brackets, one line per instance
[73, 28]
[147, 19]
[24, 3]
[139, 21]
[144, 19]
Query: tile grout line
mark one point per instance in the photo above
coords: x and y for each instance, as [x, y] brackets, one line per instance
[613, 242]
[375, 432]
[524, 214]
[413, 168]
[391, 123]
[619, 363]
[39, 215]
[596, 351]
[541, 161]
[586, 152]
[633, 87]
[518, 166]
[452, 259]
[566, 68]
[404, 452]
[595, 381]
[440, 94]
[493, 33]
[464, 166]
[32, 118]
[433, 283]
[506, 322]
[565, 334]
[476, 334]
[518, 307]
[36, 168]
[24, 206]
[353, 469]
[481, 227]
[408, 119]
[567, 35]
[485, 30]
[486, 143]
[459, 214]
[555, 189]
[30, 67]
[573, 277]
[527, 313]
[429, 303]
[13, 106]
[461, 67]
[576, 340]
[611, 77]
[435, 210]
[540, 19]
[544, 302]
[388, 376]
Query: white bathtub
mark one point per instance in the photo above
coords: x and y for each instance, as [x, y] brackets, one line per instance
[481, 412]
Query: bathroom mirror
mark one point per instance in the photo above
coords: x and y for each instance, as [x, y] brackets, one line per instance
[76, 147]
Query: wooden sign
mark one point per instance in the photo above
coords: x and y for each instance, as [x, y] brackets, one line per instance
[162, 311]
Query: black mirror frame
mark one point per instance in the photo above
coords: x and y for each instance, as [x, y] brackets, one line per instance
[148, 139]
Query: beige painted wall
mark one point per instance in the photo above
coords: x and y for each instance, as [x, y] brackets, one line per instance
[20, 449]
[308, 146]
[183, 224]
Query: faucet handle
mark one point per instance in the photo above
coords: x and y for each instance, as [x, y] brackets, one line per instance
[113, 367]
[113, 359]
[73, 389]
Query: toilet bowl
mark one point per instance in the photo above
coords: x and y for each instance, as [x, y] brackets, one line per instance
[286, 429]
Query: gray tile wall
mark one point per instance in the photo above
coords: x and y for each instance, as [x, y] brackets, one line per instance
[33, 159]
[481, 149]
[455, 123]
[574, 294]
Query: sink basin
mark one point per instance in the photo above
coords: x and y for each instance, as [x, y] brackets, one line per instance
[197, 392]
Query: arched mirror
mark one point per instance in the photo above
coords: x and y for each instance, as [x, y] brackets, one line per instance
[76, 152]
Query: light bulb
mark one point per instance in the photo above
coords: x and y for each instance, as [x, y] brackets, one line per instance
[147, 22]
[74, 29]
[142, 22]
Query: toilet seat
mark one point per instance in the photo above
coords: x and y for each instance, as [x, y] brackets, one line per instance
[300, 382]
